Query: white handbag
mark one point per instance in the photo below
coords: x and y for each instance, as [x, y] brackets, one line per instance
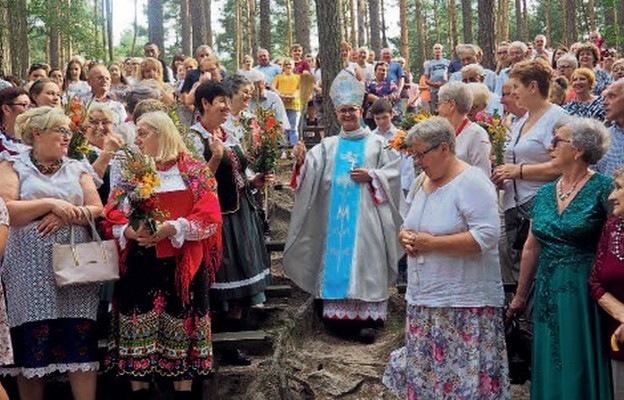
[88, 262]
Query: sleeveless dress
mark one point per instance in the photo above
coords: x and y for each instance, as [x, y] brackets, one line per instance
[52, 328]
[569, 359]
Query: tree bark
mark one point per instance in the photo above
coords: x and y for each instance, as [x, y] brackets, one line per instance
[487, 31]
[518, 32]
[361, 14]
[436, 21]
[185, 28]
[328, 22]
[502, 23]
[422, 39]
[135, 27]
[54, 34]
[525, 21]
[265, 24]
[403, 12]
[302, 24]
[569, 21]
[547, 21]
[384, 38]
[467, 20]
[156, 33]
[207, 22]
[353, 21]
[251, 26]
[591, 14]
[18, 37]
[373, 12]
[5, 55]
[289, 23]
[238, 47]
[452, 22]
[109, 26]
[199, 33]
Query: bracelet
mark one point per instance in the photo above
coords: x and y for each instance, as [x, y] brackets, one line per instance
[521, 165]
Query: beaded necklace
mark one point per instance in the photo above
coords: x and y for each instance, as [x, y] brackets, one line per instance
[617, 241]
[46, 169]
[564, 196]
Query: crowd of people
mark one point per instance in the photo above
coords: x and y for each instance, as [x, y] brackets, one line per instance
[442, 205]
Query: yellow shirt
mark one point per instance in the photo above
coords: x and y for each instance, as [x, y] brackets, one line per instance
[288, 84]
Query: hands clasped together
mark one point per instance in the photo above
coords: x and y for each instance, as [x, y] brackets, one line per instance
[414, 242]
[61, 213]
[146, 238]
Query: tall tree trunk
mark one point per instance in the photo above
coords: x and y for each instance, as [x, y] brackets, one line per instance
[421, 36]
[289, 22]
[618, 8]
[518, 32]
[109, 26]
[467, 20]
[185, 28]
[54, 34]
[404, 31]
[156, 33]
[361, 16]
[18, 37]
[207, 9]
[199, 34]
[436, 22]
[96, 19]
[452, 22]
[384, 38]
[135, 27]
[251, 26]
[103, 24]
[547, 22]
[375, 39]
[328, 21]
[5, 55]
[502, 21]
[302, 23]
[352, 19]
[525, 21]
[486, 37]
[238, 48]
[591, 14]
[569, 21]
[265, 24]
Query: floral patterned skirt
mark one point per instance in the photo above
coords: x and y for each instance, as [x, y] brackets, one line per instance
[153, 332]
[451, 353]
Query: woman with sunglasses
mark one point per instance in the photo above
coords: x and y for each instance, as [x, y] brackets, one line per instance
[13, 102]
[609, 56]
[53, 328]
[567, 217]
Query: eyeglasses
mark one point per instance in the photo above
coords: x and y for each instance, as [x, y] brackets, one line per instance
[25, 105]
[556, 139]
[62, 131]
[102, 122]
[420, 156]
[350, 110]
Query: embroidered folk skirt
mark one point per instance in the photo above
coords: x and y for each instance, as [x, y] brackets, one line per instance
[451, 353]
[52, 329]
[153, 332]
[244, 271]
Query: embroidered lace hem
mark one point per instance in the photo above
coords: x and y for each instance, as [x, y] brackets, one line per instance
[350, 309]
[43, 371]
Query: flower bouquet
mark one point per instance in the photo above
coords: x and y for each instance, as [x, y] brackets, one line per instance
[134, 193]
[493, 125]
[262, 139]
[77, 113]
[397, 142]
[411, 119]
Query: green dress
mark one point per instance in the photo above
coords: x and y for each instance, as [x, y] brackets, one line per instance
[569, 360]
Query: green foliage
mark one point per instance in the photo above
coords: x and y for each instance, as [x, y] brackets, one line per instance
[124, 48]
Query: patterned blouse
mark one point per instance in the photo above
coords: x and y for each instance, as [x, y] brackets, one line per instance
[594, 109]
[603, 79]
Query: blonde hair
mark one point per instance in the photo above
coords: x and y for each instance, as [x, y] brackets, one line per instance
[100, 107]
[587, 73]
[154, 63]
[40, 118]
[190, 62]
[171, 144]
[480, 93]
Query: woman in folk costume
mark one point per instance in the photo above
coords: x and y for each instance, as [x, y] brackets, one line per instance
[161, 304]
[342, 243]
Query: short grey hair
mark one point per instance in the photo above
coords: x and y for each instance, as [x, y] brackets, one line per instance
[462, 48]
[202, 48]
[459, 92]
[587, 134]
[236, 82]
[519, 44]
[434, 131]
[618, 173]
[568, 58]
[480, 92]
[474, 67]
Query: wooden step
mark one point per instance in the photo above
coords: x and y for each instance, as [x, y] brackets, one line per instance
[278, 291]
[275, 246]
[242, 339]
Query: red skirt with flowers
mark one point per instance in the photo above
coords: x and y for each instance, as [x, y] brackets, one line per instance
[153, 332]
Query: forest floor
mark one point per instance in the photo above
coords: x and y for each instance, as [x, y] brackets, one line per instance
[308, 361]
